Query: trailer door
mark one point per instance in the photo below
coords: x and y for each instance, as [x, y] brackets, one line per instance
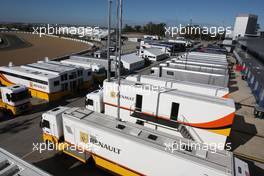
[174, 111]
[139, 102]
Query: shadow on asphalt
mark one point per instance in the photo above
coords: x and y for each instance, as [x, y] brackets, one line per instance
[16, 126]
[63, 165]
[241, 132]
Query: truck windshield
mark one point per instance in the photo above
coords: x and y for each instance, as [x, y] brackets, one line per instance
[101, 71]
[20, 96]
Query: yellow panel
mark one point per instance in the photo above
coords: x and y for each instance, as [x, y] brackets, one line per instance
[13, 109]
[4, 82]
[47, 137]
[113, 167]
[225, 132]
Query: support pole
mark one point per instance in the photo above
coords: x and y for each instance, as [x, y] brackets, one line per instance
[119, 58]
[117, 34]
[108, 40]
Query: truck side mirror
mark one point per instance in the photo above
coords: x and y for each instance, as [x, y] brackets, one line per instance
[40, 124]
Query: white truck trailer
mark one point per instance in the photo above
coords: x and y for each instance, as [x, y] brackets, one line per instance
[191, 76]
[201, 63]
[206, 119]
[202, 58]
[14, 99]
[191, 87]
[129, 149]
[212, 55]
[196, 67]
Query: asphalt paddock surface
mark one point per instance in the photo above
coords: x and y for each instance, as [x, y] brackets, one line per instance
[18, 135]
[23, 48]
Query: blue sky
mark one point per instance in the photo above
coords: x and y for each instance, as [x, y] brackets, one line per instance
[135, 11]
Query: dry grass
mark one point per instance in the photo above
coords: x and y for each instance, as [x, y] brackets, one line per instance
[41, 47]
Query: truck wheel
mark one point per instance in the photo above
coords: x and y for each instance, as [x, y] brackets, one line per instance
[9, 113]
[49, 144]
[90, 163]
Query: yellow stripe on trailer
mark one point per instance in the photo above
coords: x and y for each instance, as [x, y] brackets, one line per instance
[115, 168]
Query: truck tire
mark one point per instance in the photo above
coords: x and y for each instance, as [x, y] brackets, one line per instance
[49, 144]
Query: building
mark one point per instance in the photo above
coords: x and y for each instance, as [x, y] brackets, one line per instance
[100, 53]
[182, 41]
[250, 54]
[101, 61]
[170, 48]
[134, 39]
[151, 37]
[245, 25]
[153, 54]
[99, 72]
[47, 80]
[132, 62]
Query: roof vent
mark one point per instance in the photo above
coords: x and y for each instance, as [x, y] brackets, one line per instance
[201, 153]
[10, 64]
[152, 137]
[46, 59]
[121, 127]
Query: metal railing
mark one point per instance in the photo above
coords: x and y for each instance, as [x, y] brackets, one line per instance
[191, 130]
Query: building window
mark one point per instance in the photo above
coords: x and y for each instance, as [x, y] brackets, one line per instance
[64, 86]
[73, 75]
[80, 73]
[174, 111]
[56, 83]
[64, 77]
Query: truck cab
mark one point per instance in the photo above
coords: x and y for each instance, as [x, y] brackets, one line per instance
[15, 99]
[52, 125]
[99, 72]
[94, 101]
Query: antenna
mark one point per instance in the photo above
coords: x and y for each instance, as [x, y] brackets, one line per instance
[117, 26]
[119, 59]
[108, 40]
